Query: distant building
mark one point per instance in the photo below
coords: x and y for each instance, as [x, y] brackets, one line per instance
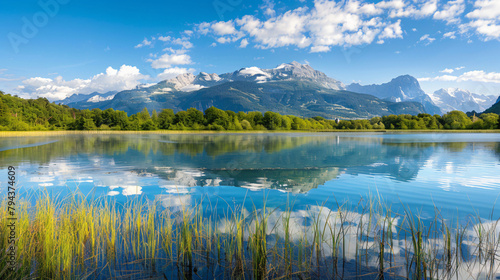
[474, 118]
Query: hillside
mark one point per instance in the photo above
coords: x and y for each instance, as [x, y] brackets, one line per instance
[495, 108]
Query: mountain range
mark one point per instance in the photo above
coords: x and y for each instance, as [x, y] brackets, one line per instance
[91, 97]
[449, 99]
[402, 88]
[290, 88]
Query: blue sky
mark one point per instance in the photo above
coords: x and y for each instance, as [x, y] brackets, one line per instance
[54, 48]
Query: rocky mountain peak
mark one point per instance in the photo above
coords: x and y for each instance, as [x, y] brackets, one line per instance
[182, 80]
[401, 88]
[406, 81]
[296, 70]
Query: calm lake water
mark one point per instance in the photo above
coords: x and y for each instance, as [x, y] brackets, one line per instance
[454, 172]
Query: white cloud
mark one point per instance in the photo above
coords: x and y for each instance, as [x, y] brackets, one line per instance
[315, 49]
[474, 76]
[327, 24]
[447, 70]
[144, 43]
[203, 28]
[480, 76]
[175, 57]
[427, 39]
[347, 23]
[445, 78]
[183, 41]
[450, 35]
[164, 38]
[412, 9]
[287, 29]
[485, 18]
[490, 29]
[268, 8]
[173, 72]
[392, 31]
[222, 28]
[244, 43]
[459, 68]
[223, 40]
[485, 9]
[451, 11]
[126, 77]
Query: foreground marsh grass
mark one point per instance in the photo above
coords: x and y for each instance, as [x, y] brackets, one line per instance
[82, 238]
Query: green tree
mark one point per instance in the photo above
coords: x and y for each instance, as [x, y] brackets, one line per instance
[144, 115]
[148, 125]
[217, 116]
[456, 120]
[182, 117]
[88, 124]
[154, 117]
[195, 117]
[479, 124]
[246, 125]
[490, 120]
[272, 120]
[166, 118]
[5, 115]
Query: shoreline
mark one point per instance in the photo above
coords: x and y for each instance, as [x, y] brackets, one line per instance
[103, 132]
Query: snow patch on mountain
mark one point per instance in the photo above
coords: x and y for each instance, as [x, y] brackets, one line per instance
[253, 71]
[191, 87]
[97, 98]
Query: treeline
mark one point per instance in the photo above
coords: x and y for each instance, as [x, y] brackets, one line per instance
[39, 114]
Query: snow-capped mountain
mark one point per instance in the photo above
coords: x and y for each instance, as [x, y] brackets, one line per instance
[284, 72]
[449, 99]
[91, 97]
[402, 88]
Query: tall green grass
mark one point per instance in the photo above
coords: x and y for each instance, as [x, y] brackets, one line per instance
[79, 237]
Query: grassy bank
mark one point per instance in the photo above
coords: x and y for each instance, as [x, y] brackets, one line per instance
[79, 238]
[118, 132]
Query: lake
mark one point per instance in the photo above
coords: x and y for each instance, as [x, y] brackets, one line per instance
[455, 172]
[451, 175]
